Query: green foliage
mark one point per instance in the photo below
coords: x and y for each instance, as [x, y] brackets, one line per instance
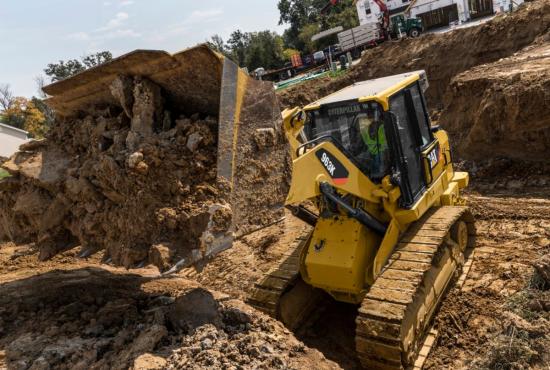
[289, 52]
[3, 174]
[265, 50]
[252, 49]
[305, 37]
[303, 16]
[96, 59]
[269, 50]
[65, 69]
[238, 43]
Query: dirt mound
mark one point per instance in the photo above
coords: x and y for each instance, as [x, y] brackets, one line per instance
[95, 319]
[139, 181]
[502, 109]
[478, 323]
[443, 56]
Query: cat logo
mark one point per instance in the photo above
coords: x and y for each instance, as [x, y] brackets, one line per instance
[433, 157]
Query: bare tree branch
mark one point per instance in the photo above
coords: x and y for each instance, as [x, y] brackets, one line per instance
[40, 83]
[6, 97]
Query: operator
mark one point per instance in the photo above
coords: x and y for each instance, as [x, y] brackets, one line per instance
[374, 137]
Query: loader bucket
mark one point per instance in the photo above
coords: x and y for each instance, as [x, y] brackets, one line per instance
[251, 149]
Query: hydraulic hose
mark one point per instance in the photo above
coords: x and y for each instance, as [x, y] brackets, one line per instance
[303, 214]
[356, 213]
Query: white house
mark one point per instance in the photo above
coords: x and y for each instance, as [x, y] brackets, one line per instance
[434, 13]
[10, 139]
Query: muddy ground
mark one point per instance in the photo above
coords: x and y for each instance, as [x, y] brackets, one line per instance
[78, 313]
[70, 313]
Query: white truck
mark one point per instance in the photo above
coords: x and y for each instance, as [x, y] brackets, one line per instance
[359, 38]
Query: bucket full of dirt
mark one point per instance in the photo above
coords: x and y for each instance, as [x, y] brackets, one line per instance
[154, 158]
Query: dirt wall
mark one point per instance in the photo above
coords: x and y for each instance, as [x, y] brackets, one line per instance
[502, 108]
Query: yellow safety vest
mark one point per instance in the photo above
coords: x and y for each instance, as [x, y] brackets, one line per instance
[377, 144]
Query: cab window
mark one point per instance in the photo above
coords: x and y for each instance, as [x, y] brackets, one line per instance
[358, 129]
[421, 115]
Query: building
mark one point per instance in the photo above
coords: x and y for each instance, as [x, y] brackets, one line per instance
[10, 140]
[434, 13]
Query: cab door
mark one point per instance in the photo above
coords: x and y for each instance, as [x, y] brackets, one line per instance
[414, 143]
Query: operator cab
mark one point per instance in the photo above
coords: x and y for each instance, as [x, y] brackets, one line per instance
[358, 130]
[382, 126]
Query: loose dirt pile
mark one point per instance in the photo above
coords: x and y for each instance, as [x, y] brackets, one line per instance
[137, 182]
[93, 318]
[116, 180]
[502, 108]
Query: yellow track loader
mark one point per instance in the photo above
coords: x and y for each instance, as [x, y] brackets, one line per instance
[390, 228]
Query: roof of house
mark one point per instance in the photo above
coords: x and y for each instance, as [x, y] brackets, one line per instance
[3, 125]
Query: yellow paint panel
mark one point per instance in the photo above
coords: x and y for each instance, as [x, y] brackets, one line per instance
[384, 102]
[337, 256]
[462, 179]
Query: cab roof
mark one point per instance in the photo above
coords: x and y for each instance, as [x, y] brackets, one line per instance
[379, 89]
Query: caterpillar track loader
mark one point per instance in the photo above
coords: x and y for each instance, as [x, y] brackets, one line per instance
[390, 228]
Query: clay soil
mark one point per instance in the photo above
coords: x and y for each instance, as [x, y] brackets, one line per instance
[70, 313]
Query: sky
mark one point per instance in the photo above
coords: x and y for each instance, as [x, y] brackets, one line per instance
[37, 32]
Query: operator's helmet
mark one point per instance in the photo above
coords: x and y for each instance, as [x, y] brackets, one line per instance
[369, 122]
[365, 121]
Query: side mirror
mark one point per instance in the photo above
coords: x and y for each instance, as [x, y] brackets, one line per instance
[395, 178]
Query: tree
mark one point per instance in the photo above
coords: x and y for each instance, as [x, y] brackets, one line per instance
[238, 44]
[6, 96]
[49, 114]
[65, 69]
[302, 15]
[252, 49]
[24, 115]
[93, 60]
[40, 83]
[265, 49]
[305, 37]
[216, 43]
